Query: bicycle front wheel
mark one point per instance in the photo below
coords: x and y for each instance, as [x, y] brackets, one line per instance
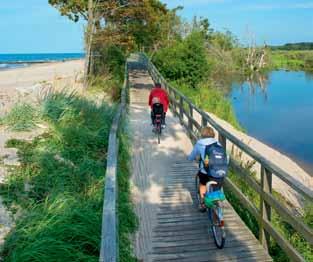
[217, 226]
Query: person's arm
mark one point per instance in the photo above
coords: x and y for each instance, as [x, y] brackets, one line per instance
[150, 98]
[194, 153]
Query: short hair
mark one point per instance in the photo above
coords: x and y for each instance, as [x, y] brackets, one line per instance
[158, 85]
[207, 132]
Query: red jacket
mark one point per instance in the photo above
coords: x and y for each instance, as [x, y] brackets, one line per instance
[162, 95]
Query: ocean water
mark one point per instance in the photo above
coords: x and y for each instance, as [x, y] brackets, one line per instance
[9, 61]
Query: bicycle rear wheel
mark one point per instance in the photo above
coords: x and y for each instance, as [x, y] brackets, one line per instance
[159, 130]
[217, 225]
[197, 181]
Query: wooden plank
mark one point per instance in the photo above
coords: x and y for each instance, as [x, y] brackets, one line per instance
[265, 208]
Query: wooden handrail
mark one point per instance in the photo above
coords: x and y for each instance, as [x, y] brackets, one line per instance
[268, 170]
[109, 234]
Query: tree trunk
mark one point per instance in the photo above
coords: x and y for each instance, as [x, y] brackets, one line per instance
[89, 35]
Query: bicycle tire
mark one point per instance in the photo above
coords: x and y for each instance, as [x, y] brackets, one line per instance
[197, 189]
[159, 132]
[217, 226]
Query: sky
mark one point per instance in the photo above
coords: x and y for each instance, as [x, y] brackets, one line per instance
[33, 26]
[272, 21]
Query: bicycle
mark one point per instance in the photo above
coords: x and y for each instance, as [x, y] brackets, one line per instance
[214, 212]
[158, 126]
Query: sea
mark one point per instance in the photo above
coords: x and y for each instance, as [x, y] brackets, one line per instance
[10, 61]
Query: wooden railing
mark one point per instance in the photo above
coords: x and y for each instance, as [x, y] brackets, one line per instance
[109, 233]
[185, 110]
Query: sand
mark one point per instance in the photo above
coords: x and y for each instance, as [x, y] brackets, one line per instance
[17, 84]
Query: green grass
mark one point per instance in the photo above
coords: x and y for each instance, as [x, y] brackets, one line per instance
[105, 84]
[292, 60]
[22, 117]
[211, 100]
[62, 208]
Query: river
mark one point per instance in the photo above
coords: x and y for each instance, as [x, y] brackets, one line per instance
[277, 109]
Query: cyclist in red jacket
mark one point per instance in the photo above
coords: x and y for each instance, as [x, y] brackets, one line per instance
[158, 96]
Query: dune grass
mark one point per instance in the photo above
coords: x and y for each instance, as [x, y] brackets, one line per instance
[22, 117]
[59, 184]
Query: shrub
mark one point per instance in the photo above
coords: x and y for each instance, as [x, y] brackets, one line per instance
[185, 61]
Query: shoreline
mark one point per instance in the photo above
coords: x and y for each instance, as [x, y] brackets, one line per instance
[27, 64]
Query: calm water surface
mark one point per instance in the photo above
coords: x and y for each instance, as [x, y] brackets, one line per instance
[279, 112]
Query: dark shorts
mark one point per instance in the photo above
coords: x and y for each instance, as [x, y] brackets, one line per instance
[204, 179]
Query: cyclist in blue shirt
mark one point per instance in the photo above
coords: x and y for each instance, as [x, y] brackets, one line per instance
[198, 153]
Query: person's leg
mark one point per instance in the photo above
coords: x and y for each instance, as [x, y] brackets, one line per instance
[203, 179]
[152, 118]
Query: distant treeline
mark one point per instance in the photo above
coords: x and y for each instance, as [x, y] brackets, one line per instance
[294, 46]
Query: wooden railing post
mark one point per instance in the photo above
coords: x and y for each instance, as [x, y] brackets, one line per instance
[190, 123]
[265, 208]
[181, 111]
[222, 140]
[204, 122]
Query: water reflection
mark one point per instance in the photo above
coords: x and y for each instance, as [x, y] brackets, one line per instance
[277, 108]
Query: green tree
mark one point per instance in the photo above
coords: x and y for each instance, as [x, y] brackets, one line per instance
[185, 61]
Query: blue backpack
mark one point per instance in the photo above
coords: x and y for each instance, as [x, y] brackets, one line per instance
[218, 164]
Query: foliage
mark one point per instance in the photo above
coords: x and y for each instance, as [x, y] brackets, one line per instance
[294, 46]
[292, 60]
[22, 117]
[211, 100]
[185, 61]
[74, 9]
[110, 60]
[106, 85]
[63, 168]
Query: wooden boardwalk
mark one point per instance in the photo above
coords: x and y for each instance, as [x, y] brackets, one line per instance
[171, 228]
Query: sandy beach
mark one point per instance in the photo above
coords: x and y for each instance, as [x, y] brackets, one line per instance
[16, 84]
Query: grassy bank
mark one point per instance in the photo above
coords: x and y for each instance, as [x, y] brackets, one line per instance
[292, 60]
[211, 100]
[57, 191]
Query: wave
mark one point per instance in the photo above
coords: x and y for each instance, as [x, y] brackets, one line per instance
[4, 66]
